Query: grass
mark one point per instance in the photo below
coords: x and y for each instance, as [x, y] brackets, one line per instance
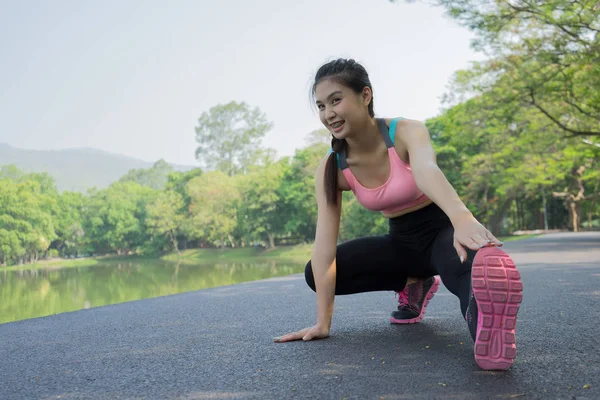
[55, 262]
[296, 253]
[300, 253]
[60, 263]
[515, 238]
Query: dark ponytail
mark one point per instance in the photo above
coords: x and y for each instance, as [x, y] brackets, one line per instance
[354, 76]
[331, 170]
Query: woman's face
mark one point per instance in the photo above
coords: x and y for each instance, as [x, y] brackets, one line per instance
[340, 108]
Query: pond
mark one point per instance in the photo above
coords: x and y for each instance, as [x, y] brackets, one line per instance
[40, 292]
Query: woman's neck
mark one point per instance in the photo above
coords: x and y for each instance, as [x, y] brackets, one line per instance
[364, 140]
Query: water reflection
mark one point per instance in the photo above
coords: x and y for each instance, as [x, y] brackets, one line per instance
[34, 293]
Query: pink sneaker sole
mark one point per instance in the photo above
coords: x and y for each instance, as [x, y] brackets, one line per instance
[430, 294]
[498, 292]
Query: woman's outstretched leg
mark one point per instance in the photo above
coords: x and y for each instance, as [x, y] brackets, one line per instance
[490, 291]
[456, 276]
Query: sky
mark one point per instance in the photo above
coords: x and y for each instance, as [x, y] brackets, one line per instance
[132, 77]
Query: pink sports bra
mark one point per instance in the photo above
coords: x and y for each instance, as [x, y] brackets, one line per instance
[399, 192]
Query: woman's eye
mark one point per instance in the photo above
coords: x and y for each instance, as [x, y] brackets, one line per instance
[320, 106]
[335, 101]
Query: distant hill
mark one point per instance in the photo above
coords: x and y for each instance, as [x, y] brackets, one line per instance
[76, 169]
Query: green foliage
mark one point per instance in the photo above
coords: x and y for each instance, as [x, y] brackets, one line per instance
[297, 192]
[115, 217]
[544, 55]
[319, 136]
[27, 207]
[165, 216]
[358, 221]
[229, 136]
[154, 178]
[11, 172]
[522, 123]
[70, 238]
[259, 212]
[214, 199]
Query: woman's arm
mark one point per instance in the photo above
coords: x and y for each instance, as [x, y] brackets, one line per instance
[323, 262]
[432, 181]
[324, 250]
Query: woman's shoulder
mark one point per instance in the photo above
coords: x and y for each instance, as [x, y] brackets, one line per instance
[403, 123]
[405, 128]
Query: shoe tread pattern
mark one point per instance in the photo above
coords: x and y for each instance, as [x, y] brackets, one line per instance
[498, 291]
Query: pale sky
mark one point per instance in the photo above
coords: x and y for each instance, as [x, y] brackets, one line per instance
[133, 77]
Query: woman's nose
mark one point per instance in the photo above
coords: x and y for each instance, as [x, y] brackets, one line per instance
[329, 114]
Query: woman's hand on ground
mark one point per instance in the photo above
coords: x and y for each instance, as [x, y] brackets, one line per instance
[468, 232]
[315, 332]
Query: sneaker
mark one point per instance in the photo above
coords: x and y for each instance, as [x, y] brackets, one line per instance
[413, 300]
[496, 294]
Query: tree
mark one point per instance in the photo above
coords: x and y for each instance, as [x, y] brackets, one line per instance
[259, 210]
[213, 207]
[530, 98]
[318, 136]
[10, 245]
[164, 216]
[495, 157]
[11, 172]
[177, 182]
[297, 192]
[115, 217]
[69, 229]
[27, 208]
[154, 177]
[543, 55]
[229, 135]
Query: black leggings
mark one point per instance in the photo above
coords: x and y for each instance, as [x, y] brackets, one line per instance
[419, 244]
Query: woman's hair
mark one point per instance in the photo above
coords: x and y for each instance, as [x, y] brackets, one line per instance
[351, 74]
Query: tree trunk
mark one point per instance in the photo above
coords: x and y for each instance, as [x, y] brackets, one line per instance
[545, 209]
[574, 216]
[271, 240]
[572, 200]
[498, 216]
[174, 240]
[231, 240]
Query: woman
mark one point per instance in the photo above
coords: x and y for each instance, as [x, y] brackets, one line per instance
[390, 165]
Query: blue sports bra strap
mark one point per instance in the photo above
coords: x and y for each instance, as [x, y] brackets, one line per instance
[393, 128]
[337, 156]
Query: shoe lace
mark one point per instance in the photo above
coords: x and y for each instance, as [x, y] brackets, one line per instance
[403, 299]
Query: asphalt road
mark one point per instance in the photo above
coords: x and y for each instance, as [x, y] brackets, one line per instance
[217, 343]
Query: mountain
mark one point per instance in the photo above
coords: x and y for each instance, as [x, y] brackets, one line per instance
[76, 169]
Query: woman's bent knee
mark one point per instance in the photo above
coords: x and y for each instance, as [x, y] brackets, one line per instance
[308, 275]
